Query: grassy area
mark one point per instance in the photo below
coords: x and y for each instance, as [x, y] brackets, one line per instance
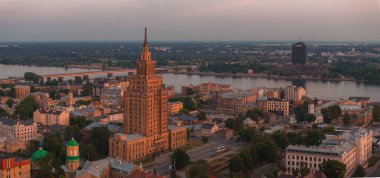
[372, 161]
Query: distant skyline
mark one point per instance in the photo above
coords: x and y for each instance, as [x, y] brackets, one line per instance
[189, 20]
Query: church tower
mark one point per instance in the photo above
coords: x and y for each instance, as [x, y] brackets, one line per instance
[72, 158]
[145, 102]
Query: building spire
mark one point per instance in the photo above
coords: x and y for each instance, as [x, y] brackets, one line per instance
[146, 37]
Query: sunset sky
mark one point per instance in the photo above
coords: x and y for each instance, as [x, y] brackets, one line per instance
[182, 20]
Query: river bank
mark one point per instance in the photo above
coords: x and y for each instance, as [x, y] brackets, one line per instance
[265, 76]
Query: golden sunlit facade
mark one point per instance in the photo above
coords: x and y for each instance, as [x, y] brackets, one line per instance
[145, 113]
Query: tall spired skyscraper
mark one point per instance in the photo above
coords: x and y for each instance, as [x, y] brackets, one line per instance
[145, 115]
[146, 100]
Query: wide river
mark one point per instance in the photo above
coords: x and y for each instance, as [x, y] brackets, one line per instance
[320, 89]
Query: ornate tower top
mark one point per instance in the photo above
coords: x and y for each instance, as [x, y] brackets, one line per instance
[145, 65]
[145, 54]
[146, 38]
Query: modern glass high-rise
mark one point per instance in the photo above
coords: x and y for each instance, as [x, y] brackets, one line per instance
[299, 53]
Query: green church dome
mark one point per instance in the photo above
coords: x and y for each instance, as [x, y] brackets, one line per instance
[72, 142]
[40, 153]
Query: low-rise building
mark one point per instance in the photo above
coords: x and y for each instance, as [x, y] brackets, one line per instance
[294, 93]
[14, 166]
[276, 105]
[22, 130]
[11, 145]
[51, 117]
[177, 137]
[171, 91]
[235, 102]
[110, 167]
[175, 107]
[224, 134]
[22, 91]
[352, 148]
[205, 130]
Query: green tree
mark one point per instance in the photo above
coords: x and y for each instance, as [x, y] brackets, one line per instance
[229, 123]
[73, 132]
[199, 169]
[87, 89]
[202, 116]
[189, 91]
[236, 164]
[328, 129]
[359, 171]
[80, 121]
[301, 112]
[83, 102]
[334, 169]
[330, 113]
[267, 151]
[281, 139]
[314, 137]
[3, 113]
[295, 138]
[55, 95]
[346, 119]
[311, 118]
[247, 135]
[247, 158]
[26, 108]
[90, 152]
[254, 114]
[78, 80]
[12, 93]
[30, 76]
[99, 138]
[376, 112]
[204, 139]
[180, 159]
[10, 102]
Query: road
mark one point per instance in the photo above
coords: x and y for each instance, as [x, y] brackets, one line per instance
[162, 162]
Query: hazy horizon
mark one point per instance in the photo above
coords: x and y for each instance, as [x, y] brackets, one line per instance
[189, 20]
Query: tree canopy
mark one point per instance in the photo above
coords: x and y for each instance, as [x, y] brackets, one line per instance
[180, 159]
[26, 108]
[30, 76]
[314, 137]
[334, 169]
[199, 169]
[330, 113]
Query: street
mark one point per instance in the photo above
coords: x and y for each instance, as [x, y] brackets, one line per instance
[162, 162]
